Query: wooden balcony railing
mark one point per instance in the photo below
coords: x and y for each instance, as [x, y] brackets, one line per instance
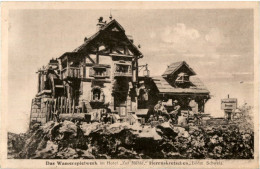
[103, 75]
[72, 72]
[124, 74]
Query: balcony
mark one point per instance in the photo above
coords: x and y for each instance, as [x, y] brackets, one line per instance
[71, 72]
[123, 74]
[123, 70]
[101, 75]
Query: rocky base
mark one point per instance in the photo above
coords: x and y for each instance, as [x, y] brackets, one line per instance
[67, 140]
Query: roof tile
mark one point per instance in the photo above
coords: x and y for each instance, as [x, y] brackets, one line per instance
[164, 87]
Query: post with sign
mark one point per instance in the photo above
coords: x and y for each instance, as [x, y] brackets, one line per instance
[228, 105]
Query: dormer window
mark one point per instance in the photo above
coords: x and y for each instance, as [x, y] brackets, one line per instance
[182, 78]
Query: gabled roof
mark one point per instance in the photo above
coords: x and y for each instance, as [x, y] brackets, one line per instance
[172, 68]
[98, 34]
[197, 87]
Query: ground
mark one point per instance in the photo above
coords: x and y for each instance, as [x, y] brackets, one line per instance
[67, 140]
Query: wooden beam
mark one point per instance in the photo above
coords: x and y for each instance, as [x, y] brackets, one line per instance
[136, 71]
[118, 51]
[90, 58]
[97, 56]
[103, 54]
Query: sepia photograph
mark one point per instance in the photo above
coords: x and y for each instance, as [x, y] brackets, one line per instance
[142, 83]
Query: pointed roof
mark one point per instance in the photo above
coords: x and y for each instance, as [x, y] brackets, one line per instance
[113, 23]
[197, 87]
[172, 68]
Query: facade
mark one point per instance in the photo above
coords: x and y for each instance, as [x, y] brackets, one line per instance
[100, 74]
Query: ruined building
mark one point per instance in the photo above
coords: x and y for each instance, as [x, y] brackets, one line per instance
[102, 74]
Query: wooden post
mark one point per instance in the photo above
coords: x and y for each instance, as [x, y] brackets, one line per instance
[61, 105]
[136, 70]
[83, 106]
[58, 103]
[73, 106]
[68, 66]
[52, 107]
[52, 102]
[84, 68]
[111, 106]
[55, 102]
[128, 104]
[60, 67]
[47, 111]
[66, 106]
[69, 105]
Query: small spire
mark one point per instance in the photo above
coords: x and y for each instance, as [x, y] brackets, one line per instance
[110, 17]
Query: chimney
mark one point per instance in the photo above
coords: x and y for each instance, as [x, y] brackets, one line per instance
[100, 23]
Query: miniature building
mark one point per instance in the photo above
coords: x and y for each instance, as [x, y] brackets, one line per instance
[178, 82]
[101, 73]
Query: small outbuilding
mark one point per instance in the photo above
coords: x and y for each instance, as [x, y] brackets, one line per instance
[178, 82]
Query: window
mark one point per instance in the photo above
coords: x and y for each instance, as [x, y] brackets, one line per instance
[143, 95]
[97, 94]
[123, 68]
[99, 72]
[143, 98]
[182, 78]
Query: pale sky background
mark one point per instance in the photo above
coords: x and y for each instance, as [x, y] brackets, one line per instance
[217, 44]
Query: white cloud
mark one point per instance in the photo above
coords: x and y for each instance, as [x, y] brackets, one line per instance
[179, 32]
[189, 41]
[215, 37]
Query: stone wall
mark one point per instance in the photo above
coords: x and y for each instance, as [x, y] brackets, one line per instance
[40, 110]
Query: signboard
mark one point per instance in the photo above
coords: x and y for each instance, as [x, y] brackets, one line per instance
[229, 103]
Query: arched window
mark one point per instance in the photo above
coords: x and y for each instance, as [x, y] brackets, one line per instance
[97, 94]
[143, 95]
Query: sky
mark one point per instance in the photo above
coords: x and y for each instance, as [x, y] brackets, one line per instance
[216, 43]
